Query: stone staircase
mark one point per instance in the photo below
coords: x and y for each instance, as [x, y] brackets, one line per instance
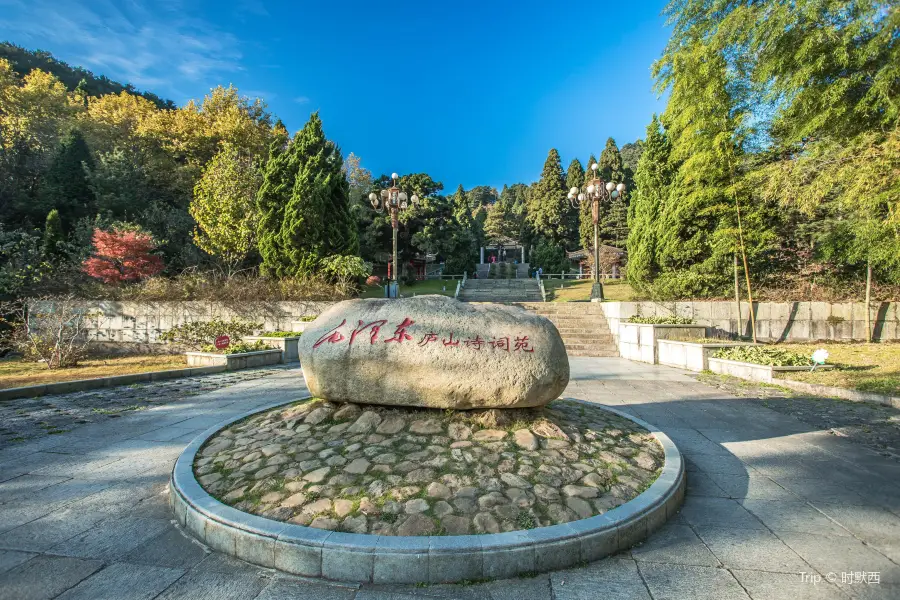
[501, 290]
[582, 326]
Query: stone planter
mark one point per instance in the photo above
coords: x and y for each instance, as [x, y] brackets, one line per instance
[693, 356]
[753, 371]
[637, 341]
[244, 360]
[288, 345]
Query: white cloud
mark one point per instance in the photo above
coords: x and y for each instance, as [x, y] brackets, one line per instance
[301, 100]
[162, 51]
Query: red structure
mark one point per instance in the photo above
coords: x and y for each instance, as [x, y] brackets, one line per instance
[418, 264]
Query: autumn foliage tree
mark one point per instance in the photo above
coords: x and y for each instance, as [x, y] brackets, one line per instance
[122, 255]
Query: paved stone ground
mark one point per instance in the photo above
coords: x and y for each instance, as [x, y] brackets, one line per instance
[84, 513]
[874, 425]
[32, 418]
[411, 472]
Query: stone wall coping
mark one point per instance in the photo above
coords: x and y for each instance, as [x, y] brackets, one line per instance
[356, 557]
[238, 354]
[774, 368]
[80, 385]
[723, 344]
[663, 325]
[271, 337]
[839, 392]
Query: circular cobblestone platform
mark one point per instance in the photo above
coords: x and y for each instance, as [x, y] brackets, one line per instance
[394, 495]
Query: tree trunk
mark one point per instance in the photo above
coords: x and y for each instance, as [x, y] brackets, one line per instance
[868, 301]
[737, 298]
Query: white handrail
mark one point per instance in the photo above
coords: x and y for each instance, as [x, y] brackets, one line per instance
[458, 286]
[543, 291]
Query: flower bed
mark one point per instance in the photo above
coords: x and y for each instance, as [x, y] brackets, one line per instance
[765, 355]
[660, 320]
[242, 355]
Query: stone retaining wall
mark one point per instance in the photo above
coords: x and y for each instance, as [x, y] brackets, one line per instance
[135, 326]
[775, 321]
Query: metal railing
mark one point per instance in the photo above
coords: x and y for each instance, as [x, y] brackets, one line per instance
[460, 284]
[603, 276]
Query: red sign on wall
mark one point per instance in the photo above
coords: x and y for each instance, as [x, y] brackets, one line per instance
[222, 342]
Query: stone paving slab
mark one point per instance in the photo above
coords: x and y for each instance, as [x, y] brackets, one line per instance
[850, 484]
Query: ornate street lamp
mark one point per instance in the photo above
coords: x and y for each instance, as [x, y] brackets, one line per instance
[393, 200]
[595, 192]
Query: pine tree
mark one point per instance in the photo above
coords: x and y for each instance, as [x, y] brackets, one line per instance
[652, 181]
[613, 215]
[304, 235]
[549, 207]
[53, 233]
[585, 218]
[574, 179]
[65, 185]
[274, 194]
[343, 236]
[461, 209]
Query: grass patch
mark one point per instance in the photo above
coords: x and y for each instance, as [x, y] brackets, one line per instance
[579, 290]
[419, 288]
[16, 372]
[865, 367]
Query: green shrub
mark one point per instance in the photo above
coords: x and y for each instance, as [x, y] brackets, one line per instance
[765, 355]
[281, 334]
[239, 348]
[197, 334]
[308, 318]
[660, 320]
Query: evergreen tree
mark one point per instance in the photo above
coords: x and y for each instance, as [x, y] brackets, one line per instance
[65, 185]
[53, 233]
[698, 221]
[274, 194]
[462, 212]
[466, 239]
[652, 181]
[548, 207]
[613, 215]
[343, 236]
[304, 236]
[585, 219]
[574, 178]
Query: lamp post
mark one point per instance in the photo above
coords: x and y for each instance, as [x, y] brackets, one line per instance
[393, 200]
[595, 192]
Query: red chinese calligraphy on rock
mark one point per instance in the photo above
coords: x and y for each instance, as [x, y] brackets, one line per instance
[475, 344]
[523, 344]
[450, 342]
[333, 336]
[428, 338]
[400, 333]
[375, 325]
[500, 343]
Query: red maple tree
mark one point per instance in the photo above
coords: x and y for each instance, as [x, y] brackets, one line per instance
[122, 255]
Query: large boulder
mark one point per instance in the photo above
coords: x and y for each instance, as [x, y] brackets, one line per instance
[433, 351]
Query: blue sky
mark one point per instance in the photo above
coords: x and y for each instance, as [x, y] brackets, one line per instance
[470, 92]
